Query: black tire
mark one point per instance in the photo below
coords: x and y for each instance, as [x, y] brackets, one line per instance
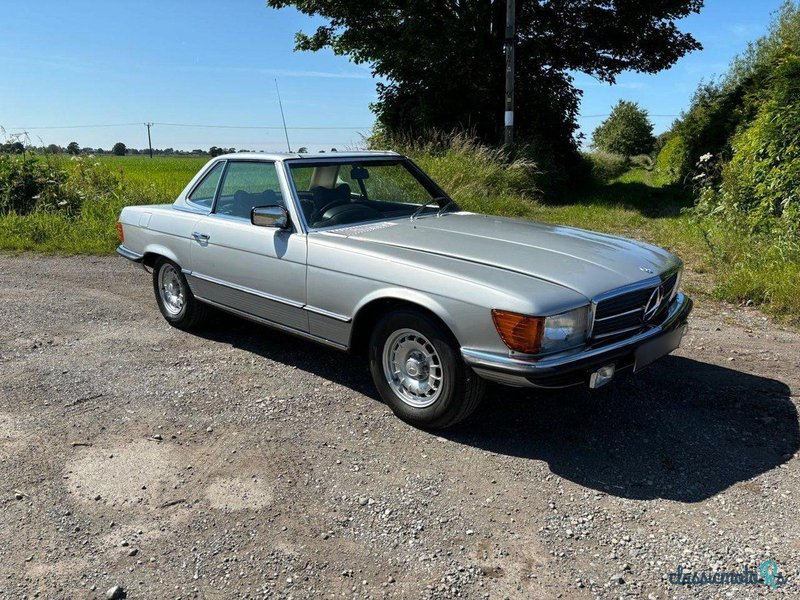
[192, 312]
[461, 389]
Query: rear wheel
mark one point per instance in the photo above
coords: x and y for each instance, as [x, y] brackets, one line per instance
[175, 300]
[416, 366]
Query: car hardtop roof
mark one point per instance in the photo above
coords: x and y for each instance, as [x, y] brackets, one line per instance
[280, 156]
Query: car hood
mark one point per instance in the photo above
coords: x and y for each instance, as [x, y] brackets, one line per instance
[587, 262]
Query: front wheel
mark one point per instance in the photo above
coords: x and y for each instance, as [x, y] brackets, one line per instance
[416, 366]
[175, 300]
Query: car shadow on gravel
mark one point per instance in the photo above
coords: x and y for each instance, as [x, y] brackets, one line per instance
[682, 430]
[327, 363]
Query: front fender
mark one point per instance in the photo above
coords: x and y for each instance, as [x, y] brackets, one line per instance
[406, 295]
[469, 323]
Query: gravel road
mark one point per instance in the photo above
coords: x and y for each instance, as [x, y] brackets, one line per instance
[237, 462]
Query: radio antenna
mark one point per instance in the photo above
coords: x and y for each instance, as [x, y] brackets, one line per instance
[283, 118]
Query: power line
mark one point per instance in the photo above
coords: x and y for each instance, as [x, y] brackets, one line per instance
[79, 126]
[195, 125]
[277, 127]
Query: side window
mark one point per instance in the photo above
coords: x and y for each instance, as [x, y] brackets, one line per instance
[248, 184]
[203, 194]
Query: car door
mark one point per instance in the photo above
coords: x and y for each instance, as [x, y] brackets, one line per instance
[260, 271]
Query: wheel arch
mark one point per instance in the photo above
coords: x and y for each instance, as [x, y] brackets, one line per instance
[375, 306]
[155, 251]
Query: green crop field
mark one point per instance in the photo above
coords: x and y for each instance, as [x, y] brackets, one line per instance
[167, 176]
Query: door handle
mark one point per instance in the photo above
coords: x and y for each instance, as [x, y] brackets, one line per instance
[200, 237]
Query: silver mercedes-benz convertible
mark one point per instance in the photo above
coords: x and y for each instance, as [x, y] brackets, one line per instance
[364, 252]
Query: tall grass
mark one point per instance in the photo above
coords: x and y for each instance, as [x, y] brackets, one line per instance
[753, 268]
[479, 178]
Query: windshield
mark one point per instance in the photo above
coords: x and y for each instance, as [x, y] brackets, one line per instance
[357, 191]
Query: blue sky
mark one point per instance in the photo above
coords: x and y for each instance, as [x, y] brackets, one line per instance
[212, 63]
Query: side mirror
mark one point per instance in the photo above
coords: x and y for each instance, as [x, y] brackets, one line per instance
[270, 216]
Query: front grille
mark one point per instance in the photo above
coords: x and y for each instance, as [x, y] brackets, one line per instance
[622, 315]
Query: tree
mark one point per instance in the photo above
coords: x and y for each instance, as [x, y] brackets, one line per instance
[444, 66]
[73, 148]
[214, 151]
[54, 149]
[119, 149]
[15, 147]
[627, 131]
[302, 150]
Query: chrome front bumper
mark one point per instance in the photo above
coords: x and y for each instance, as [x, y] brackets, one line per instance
[574, 368]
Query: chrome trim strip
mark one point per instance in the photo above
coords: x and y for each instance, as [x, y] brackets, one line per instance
[327, 313]
[273, 324]
[191, 208]
[129, 254]
[626, 313]
[247, 290]
[266, 296]
[617, 332]
[530, 366]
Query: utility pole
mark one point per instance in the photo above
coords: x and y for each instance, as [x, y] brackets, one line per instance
[149, 142]
[509, 50]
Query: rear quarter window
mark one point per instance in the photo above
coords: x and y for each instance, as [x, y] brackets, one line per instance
[203, 194]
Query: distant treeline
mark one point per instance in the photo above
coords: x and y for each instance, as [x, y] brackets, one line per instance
[118, 149]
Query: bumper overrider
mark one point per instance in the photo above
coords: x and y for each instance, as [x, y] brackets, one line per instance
[576, 368]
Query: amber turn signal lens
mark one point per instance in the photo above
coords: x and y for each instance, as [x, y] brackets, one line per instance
[120, 235]
[519, 332]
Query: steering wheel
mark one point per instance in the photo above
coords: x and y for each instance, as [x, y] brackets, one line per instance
[338, 202]
[347, 213]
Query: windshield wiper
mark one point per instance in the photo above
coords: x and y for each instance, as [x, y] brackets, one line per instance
[427, 203]
[450, 202]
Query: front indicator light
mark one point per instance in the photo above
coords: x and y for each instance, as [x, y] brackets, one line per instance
[120, 234]
[520, 333]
